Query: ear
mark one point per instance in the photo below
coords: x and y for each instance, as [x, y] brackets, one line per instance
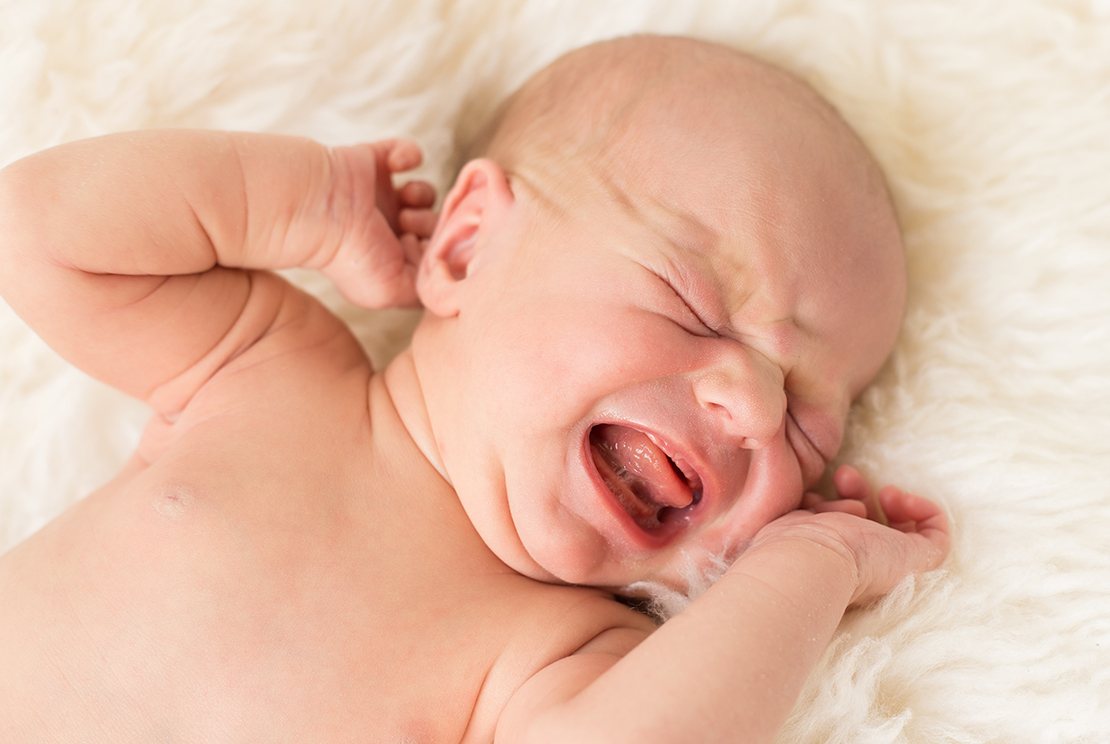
[471, 211]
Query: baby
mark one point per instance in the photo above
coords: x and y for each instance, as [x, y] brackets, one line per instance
[648, 307]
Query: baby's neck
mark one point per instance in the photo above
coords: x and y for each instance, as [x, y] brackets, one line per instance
[402, 385]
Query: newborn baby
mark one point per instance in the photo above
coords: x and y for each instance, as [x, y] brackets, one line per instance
[649, 303]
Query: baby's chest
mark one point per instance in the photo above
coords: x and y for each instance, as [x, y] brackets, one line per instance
[317, 629]
[432, 664]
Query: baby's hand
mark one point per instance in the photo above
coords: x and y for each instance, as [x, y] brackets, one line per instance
[915, 537]
[383, 228]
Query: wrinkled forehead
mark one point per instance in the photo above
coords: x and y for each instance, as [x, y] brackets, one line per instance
[754, 175]
[728, 150]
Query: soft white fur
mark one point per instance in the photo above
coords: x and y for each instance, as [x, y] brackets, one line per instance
[992, 120]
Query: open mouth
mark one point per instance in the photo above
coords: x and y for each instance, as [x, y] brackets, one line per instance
[645, 481]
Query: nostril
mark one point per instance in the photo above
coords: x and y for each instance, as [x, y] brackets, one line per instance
[745, 397]
[754, 425]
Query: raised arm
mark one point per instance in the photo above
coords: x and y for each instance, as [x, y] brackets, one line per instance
[730, 667]
[135, 255]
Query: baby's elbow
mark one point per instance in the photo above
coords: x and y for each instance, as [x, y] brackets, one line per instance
[9, 202]
[21, 212]
[22, 206]
[12, 211]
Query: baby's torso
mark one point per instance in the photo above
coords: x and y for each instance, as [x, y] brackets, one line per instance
[263, 573]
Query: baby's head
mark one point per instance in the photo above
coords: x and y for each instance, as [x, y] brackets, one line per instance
[649, 306]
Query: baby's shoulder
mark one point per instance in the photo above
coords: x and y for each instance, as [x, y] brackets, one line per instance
[302, 369]
[590, 620]
[541, 624]
[571, 616]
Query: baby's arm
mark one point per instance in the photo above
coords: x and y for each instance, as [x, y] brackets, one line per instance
[132, 254]
[730, 666]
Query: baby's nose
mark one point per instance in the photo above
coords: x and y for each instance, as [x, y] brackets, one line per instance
[747, 396]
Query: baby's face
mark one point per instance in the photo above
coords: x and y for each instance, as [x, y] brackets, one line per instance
[661, 348]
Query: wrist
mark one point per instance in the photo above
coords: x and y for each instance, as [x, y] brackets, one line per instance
[803, 566]
[335, 205]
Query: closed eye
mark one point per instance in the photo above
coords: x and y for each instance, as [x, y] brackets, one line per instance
[810, 459]
[692, 316]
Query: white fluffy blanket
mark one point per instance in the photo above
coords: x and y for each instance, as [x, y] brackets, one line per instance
[992, 120]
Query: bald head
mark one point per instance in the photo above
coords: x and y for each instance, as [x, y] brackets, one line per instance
[582, 105]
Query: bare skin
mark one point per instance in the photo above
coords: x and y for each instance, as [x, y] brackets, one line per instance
[304, 549]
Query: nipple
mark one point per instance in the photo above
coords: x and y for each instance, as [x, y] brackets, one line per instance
[173, 501]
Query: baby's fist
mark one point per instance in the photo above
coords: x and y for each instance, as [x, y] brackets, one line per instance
[914, 539]
[381, 228]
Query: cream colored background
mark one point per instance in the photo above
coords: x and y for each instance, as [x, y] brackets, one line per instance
[992, 119]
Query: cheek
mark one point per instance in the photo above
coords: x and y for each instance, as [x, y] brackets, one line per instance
[774, 485]
[568, 350]
[773, 488]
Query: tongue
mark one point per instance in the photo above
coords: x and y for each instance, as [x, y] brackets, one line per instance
[638, 473]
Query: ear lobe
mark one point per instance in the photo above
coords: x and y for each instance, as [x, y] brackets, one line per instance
[471, 210]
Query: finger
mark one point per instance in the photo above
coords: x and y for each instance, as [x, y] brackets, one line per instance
[843, 506]
[851, 484]
[413, 248]
[417, 195]
[399, 292]
[419, 222]
[911, 513]
[818, 504]
[924, 521]
[403, 155]
[385, 196]
[408, 296]
[811, 500]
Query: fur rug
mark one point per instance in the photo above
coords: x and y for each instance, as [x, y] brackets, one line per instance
[992, 120]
